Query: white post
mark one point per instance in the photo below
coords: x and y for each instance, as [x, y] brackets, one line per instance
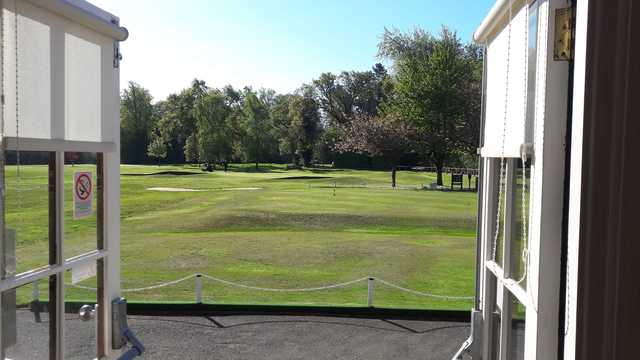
[35, 302]
[35, 292]
[370, 283]
[198, 289]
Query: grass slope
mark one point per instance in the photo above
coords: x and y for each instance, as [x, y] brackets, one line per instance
[270, 228]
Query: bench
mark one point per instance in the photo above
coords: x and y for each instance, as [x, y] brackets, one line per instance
[456, 180]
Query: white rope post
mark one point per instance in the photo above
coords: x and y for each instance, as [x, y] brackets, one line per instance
[35, 291]
[370, 282]
[35, 303]
[198, 288]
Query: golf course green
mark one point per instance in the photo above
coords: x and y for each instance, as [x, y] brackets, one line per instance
[270, 228]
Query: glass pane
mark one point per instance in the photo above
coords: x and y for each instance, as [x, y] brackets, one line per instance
[521, 222]
[531, 66]
[80, 204]
[518, 312]
[27, 210]
[25, 322]
[500, 190]
[81, 331]
[495, 343]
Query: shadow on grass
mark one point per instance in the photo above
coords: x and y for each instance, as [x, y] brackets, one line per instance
[170, 172]
[323, 170]
[282, 168]
[302, 177]
[251, 168]
[249, 221]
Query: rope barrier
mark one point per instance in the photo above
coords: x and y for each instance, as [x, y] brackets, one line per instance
[420, 293]
[326, 287]
[310, 289]
[156, 286]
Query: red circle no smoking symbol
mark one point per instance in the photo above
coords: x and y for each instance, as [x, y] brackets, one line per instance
[83, 186]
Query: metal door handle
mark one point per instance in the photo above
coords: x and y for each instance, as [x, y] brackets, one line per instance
[87, 312]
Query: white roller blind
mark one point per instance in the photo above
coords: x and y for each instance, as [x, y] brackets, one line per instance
[66, 85]
[82, 89]
[504, 137]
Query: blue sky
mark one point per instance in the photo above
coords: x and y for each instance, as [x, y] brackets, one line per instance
[278, 44]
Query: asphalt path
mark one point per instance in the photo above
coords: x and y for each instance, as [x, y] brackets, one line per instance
[255, 337]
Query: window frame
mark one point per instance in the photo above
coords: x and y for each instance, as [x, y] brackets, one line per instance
[541, 298]
[499, 287]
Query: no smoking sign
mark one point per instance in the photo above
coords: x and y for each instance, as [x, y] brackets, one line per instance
[82, 194]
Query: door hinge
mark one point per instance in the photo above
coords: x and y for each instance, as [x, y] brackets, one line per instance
[564, 34]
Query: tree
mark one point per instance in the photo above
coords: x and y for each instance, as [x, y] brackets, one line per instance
[335, 101]
[157, 148]
[285, 132]
[166, 130]
[191, 154]
[433, 78]
[136, 114]
[187, 119]
[176, 126]
[256, 121]
[214, 134]
[362, 87]
[344, 97]
[350, 93]
[305, 122]
[473, 93]
[238, 132]
[158, 138]
[387, 136]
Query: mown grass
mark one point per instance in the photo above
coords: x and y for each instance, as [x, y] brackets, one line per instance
[270, 228]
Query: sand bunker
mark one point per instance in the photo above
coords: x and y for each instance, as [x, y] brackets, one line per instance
[176, 173]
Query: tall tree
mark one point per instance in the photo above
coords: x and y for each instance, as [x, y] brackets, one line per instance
[176, 126]
[336, 102]
[285, 132]
[352, 92]
[433, 75]
[214, 134]
[158, 142]
[344, 97]
[305, 122]
[167, 130]
[258, 129]
[362, 87]
[234, 98]
[191, 153]
[136, 114]
[187, 118]
[387, 136]
[157, 148]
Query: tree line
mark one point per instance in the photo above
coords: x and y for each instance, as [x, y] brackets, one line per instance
[423, 109]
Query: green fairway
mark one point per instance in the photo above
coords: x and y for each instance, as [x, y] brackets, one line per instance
[269, 228]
